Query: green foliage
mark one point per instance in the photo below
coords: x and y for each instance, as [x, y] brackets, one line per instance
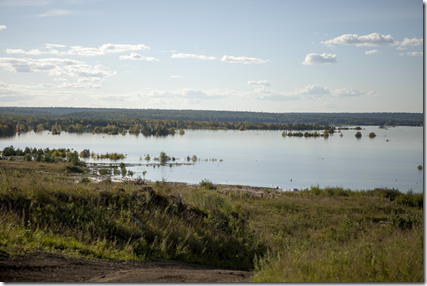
[206, 184]
[315, 235]
[85, 153]
[404, 222]
[163, 158]
[124, 224]
[104, 171]
[74, 169]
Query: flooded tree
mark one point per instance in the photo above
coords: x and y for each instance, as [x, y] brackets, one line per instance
[163, 158]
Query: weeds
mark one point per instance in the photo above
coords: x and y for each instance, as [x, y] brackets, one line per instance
[316, 235]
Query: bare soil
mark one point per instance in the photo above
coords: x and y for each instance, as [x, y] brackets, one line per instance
[50, 267]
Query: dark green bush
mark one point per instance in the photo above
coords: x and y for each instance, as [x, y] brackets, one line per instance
[207, 184]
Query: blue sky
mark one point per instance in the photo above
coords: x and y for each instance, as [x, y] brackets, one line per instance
[271, 56]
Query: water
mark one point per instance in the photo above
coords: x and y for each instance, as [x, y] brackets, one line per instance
[262, 158]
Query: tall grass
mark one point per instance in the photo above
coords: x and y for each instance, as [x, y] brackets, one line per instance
[126, 220]
[316, 235]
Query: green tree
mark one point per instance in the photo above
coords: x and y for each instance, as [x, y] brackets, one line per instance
[163, 158]
[325, 133]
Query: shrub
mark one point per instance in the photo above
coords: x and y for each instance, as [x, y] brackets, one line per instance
[163, 157]
[74, 169]
[405, 221]
[104, 171]
[207, 184]
[85, 180]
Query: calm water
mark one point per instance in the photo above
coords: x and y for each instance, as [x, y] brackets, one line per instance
[263, 158]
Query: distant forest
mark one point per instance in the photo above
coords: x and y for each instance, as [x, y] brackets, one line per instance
[335, 119]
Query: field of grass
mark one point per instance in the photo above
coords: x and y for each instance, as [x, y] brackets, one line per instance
[315, 235]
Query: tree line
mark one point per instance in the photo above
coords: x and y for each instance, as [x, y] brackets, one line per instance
[343, 118]
[147, 127]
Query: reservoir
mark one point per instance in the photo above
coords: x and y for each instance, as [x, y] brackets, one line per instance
[260, 158]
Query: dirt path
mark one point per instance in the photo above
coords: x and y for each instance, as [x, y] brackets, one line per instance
[48, 267]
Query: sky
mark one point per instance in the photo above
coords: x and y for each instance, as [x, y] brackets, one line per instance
[238, 55]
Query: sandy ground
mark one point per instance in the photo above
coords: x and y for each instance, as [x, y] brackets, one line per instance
[48, 267]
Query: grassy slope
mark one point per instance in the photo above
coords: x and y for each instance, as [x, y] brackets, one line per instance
[317, 235]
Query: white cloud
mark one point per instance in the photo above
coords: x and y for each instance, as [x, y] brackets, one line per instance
[415, 54]
[51, 46]
[371, 52]
[115, 48]
[138, 57]
[373, 39]
[410, 42]
[33, 52]
[349, 91]
[191, 56]
[260, 82]
[104, 49]
[312, 91]
[55, 12]
[3, 27]
[243, 60]
[176, 76]
[79, 85]
[56, 67]
[316, 59]
[82, 51]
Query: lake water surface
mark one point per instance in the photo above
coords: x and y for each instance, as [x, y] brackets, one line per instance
[262, 158]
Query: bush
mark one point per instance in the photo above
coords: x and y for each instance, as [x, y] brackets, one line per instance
[207, 184]
[74, 169]
[410, 199]
[163, 157]
[85, 180]
[104, 171]
[405, 221]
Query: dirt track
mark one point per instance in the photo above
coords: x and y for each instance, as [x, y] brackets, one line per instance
[48, 267]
